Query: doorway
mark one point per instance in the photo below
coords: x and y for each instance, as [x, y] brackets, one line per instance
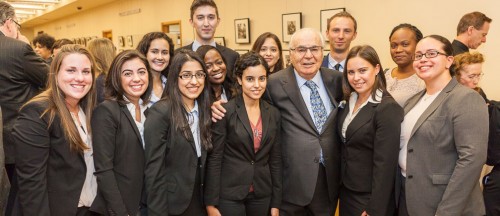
[173, 30]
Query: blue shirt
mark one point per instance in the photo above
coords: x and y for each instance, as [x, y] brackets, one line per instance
[306, 92]
[193, 120]
[332, 63]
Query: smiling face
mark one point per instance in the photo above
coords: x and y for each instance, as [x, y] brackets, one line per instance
[205, 22]
[134, 79]
[74, 77]
[158, 54]
[402, 44]
[340, 34]
[270, 52]
[429, 69]
[253, 82]
[216, 67]
[361, 75]
[191, 88]
[470, 75]
[306, 64]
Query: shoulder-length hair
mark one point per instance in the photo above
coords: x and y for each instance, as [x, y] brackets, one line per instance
[55, 98]
[228, 81]
[249, 59]
[369, 54]
[178, 111]
[113, 84]
[145, 43]
[103, 51]
[260, 42]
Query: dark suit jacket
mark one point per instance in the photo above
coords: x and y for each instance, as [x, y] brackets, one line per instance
[446, 153]
[229, 55]
[4, 179]
[324, 63]
[171, 163]
[22, 75]
[301, 142]
[233, 165]
[370, 152]
[50, 174]
[118, 158]
[459, 47]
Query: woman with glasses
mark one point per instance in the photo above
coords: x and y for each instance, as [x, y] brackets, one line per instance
[369, 126]
[53, 137]
[158, 48]
[221, 84]
[177, 136]
[118, 125]
[468, 69]
[268, 45]
[444, 137]
[402, 81]
[244, 168]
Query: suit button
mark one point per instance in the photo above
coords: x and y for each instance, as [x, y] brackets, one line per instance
[410, 176]
[410, 150]
[201, 166]
[252, 162]
[201, 185]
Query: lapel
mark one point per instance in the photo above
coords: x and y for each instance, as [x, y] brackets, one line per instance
[342, 115]
[434, 105]
[243, 117]
[131, 120]
[265, 115]
[289, 83]
[364, 115]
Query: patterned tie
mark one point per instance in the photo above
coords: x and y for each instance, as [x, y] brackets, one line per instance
[337, 67]
[318, 109]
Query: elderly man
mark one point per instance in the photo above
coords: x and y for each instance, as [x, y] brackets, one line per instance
[471, 32]
[22, 75]
[307, 97]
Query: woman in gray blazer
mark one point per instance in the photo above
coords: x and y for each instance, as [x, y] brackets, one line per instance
[444, 137]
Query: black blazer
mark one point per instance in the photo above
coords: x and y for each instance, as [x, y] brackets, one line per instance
[229, 55]
[233, 165]
[50, 174]
[118, 159]
[301, 142]
[22, 75]
[370, 152]
[171, 163]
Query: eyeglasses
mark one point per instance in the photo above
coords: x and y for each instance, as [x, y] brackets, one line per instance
[315, 50]
[475, 76]
[428, 54]
[18, 25]
[188, 76]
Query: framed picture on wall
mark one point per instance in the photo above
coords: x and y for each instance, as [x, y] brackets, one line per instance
[121, 41]
[242, 30]
[325, 15]
[130, 42]
[286, 57]
[241, 51]
[290, 23]
[220, 41]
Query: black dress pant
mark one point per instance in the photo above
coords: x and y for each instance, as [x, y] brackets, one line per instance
[491, 192]
[352, 203]
[320, 204]
[250, 206]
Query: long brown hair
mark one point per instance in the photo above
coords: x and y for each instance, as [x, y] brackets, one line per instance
[54, 97]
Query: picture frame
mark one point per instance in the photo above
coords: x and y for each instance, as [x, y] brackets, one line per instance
[121, 41]
[325, 15]
[241, 51]
[286, 58]
[290, 22]
[130, 42]
[221, 41]
[242, 30]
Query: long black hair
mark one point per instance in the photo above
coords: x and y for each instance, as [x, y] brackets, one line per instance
[178, 111]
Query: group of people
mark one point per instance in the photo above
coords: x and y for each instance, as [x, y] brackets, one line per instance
[204, 131]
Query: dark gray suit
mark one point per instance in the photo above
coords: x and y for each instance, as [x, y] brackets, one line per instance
[301, 142]
[446, 152]
[4, 180]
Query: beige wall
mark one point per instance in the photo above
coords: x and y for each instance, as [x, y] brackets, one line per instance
[376, 18]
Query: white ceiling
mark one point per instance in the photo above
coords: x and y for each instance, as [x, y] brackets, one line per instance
[36, 12]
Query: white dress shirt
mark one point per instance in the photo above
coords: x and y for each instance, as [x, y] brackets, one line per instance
[140, 125]
[194, 125]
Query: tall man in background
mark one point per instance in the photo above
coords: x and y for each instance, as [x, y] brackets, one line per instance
[341, 30]
[471, 32]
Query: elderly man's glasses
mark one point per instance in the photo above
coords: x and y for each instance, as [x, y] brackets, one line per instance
[18, 25]
[428, 54]
[315, 50]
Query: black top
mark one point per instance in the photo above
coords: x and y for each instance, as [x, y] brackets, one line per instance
[459, 48]
[99, 84]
